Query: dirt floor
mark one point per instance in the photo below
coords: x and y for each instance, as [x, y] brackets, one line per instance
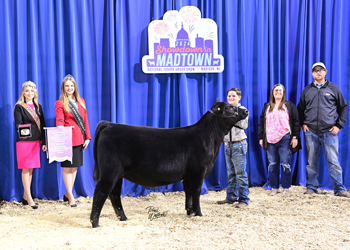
[285, 221]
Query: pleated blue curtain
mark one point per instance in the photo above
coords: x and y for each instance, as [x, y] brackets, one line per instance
[101, 44]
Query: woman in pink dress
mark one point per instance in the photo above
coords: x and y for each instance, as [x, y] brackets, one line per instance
[29, 121]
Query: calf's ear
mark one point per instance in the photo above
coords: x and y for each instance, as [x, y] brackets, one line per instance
[217, 101]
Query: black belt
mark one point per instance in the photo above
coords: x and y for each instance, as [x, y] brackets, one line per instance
[234, 142]
[227, 144]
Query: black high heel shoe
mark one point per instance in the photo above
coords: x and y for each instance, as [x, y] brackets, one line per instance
[25, 203]
[65, 198]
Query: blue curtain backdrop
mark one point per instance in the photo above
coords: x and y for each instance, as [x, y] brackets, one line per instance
[101, 44]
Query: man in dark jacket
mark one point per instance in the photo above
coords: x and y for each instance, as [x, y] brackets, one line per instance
[322, 113]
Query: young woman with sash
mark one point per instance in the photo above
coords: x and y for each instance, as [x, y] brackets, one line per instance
[70, 111]
[29, 121]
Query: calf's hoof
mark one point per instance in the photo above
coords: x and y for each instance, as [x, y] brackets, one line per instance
[123, 218]
[95, 224]
[190, 212]
[198, 214]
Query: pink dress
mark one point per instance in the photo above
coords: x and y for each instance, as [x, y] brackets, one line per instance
[28, 152]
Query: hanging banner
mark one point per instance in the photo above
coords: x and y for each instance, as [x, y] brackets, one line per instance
[183, 42]
[59, 144]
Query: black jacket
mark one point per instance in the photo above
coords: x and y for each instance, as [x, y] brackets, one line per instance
[321, 109]
[22, 116]
[293, 122]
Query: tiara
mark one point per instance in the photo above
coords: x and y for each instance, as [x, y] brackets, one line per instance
[29, 83]
[69, 76]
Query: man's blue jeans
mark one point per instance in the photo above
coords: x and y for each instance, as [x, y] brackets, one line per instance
[277, 153]
[238, 187]
[329, 143]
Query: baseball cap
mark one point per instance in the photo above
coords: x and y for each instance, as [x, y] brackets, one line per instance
[318, 64]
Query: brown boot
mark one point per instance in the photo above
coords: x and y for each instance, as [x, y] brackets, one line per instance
[309, 192]
[344, 194]
[241, 205]
[224, 202]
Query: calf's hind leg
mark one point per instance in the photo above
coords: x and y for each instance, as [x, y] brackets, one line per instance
[115, 199]
[102, 190]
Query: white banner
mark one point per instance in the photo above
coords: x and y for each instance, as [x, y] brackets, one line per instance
[59, 144]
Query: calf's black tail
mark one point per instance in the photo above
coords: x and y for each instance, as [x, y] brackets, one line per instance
[100, 126]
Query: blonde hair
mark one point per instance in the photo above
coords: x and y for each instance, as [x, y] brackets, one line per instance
[22, 98]
[64, 97]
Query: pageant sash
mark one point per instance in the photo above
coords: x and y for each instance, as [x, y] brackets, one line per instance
[78, 118]
[33, 114]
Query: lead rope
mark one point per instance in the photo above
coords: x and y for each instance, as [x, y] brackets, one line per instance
[230, 144]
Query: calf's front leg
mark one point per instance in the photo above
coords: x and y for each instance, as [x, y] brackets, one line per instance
[188, 203]
[195, 191]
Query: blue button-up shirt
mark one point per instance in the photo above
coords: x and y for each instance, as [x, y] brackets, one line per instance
[319, 85]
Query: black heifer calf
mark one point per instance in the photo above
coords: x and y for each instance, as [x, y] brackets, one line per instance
[154, 157]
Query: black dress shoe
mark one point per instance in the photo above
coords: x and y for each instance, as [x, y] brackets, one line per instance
[65, 198]
[35, 206]
[74, 205]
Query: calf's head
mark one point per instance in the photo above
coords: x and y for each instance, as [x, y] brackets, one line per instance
[230, 114]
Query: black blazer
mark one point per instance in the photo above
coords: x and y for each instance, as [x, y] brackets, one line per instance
[22, 117]
[293, 122]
